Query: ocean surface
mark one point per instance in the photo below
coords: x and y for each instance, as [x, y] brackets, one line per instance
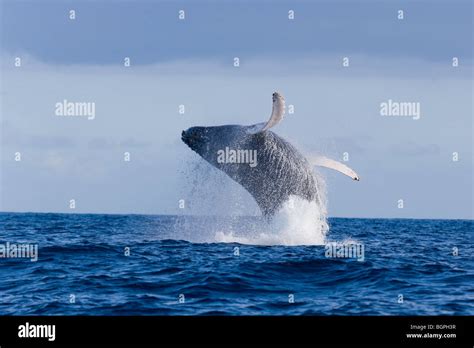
[181, 265]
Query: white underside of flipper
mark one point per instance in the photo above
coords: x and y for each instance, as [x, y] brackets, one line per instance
[322, 161]
[278, 112]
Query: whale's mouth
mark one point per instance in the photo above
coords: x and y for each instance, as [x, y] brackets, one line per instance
[188, 139]
[184, 138]
[192, 138]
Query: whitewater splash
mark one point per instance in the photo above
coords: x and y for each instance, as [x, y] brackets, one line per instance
[298, 222]
[237, 217]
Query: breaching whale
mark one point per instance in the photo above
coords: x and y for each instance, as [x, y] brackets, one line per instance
[276, 171]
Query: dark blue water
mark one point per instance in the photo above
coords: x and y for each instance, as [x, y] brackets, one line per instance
[82, 257]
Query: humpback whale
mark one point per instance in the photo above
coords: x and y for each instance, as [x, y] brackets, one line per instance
[278, 170]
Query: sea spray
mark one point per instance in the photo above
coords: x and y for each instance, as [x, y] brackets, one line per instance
[298, 222]
[221, 211]
[208, 191]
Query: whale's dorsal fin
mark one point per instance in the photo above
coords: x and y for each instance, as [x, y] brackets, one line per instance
[278, 111]
[322, 161]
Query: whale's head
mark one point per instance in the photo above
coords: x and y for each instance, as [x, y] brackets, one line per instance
[208, 142]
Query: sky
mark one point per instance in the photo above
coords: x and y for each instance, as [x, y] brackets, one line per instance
[190, 62]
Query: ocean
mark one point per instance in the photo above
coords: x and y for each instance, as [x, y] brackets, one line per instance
[92, 264]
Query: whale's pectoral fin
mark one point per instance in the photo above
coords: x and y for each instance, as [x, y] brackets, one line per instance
[278, 111]
[332, 164]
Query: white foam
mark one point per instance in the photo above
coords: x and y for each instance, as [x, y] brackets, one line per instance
[298, 222]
